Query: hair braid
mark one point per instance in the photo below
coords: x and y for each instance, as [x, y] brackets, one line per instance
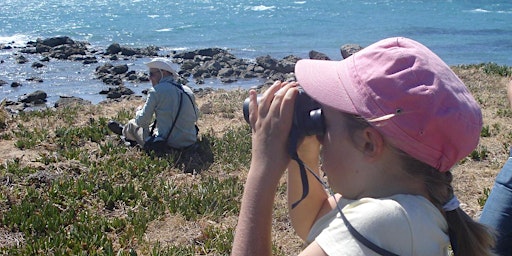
[472, 238]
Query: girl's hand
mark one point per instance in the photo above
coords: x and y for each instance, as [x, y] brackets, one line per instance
[271, 120]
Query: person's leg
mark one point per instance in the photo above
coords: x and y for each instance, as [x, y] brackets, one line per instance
[132, 131]
[497, 212]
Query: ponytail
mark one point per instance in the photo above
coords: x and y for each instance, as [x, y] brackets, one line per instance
[472, 238]
[468, 237]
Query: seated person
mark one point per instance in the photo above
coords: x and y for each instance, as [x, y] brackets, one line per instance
[172, 104]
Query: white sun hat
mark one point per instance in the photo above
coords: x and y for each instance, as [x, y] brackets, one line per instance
[161, 63]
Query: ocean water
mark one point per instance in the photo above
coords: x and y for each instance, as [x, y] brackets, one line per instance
[460, 32]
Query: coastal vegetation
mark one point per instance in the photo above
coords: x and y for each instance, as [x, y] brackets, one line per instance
[68, 186]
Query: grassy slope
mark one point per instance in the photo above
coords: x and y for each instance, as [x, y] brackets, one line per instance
[68, 187]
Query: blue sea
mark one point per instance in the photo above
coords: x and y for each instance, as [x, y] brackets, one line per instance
[460, 32]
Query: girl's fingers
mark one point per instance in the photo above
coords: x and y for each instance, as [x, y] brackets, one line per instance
[268, 97]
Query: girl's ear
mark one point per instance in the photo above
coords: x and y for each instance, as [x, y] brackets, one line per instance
[373, 143]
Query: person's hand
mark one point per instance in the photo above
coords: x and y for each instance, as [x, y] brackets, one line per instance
[271, 120]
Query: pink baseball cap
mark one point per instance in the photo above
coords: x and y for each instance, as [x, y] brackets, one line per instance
[406, 92]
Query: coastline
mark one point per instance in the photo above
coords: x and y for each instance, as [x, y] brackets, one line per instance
[56, 70]
[120, 71]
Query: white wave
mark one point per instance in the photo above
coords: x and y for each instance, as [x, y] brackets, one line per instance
[177, 48]
[164, 30]
[17, 40]
[184, 27]
[261, 8]
[154, 16]
[299, 2]
[479, 10]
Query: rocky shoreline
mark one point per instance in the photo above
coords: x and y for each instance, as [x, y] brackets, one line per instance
[198, 65]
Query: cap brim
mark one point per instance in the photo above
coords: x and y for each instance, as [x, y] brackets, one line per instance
[327, 82]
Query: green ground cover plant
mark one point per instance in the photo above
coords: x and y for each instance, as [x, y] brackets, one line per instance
[68, 186]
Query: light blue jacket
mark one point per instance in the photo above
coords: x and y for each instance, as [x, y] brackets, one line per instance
[163, 100]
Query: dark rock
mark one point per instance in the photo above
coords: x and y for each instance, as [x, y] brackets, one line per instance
[267, 62]
[117, 92]
[89, 61]
[65, 51]
[132, 77]
[16, 84]
[185, 55]
[56, 41]
[285, 66]
[189, 65]
[65, 101]
[37, 65]
[226, 72]
[29, 50]
[210, 51]
[21, 59]
[120, 69]
[2, 82]
[128, 51]
[112, 80]
[348, 49]
[35, 79]
[114, 48]
[314, 55]
[105, 69]
[36, 97]
[41, 48]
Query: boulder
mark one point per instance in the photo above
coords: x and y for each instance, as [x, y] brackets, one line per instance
[348, 49]
[36, 97]
[314, 55]
[65, 101]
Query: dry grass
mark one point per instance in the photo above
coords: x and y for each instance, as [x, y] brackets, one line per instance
[221, 112]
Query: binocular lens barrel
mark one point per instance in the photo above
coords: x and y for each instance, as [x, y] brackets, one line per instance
[308, 118]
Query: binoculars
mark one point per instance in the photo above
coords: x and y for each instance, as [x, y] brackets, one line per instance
[307, 115]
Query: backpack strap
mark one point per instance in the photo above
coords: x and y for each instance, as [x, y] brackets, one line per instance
[175, 119]
[180, 87]
[173, 122]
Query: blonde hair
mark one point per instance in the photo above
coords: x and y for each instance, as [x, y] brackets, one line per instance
[472, 238]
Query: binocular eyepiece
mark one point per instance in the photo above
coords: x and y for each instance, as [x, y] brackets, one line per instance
[307, 115]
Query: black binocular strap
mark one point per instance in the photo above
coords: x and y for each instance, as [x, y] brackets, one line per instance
[361, 238]
[292, 151]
